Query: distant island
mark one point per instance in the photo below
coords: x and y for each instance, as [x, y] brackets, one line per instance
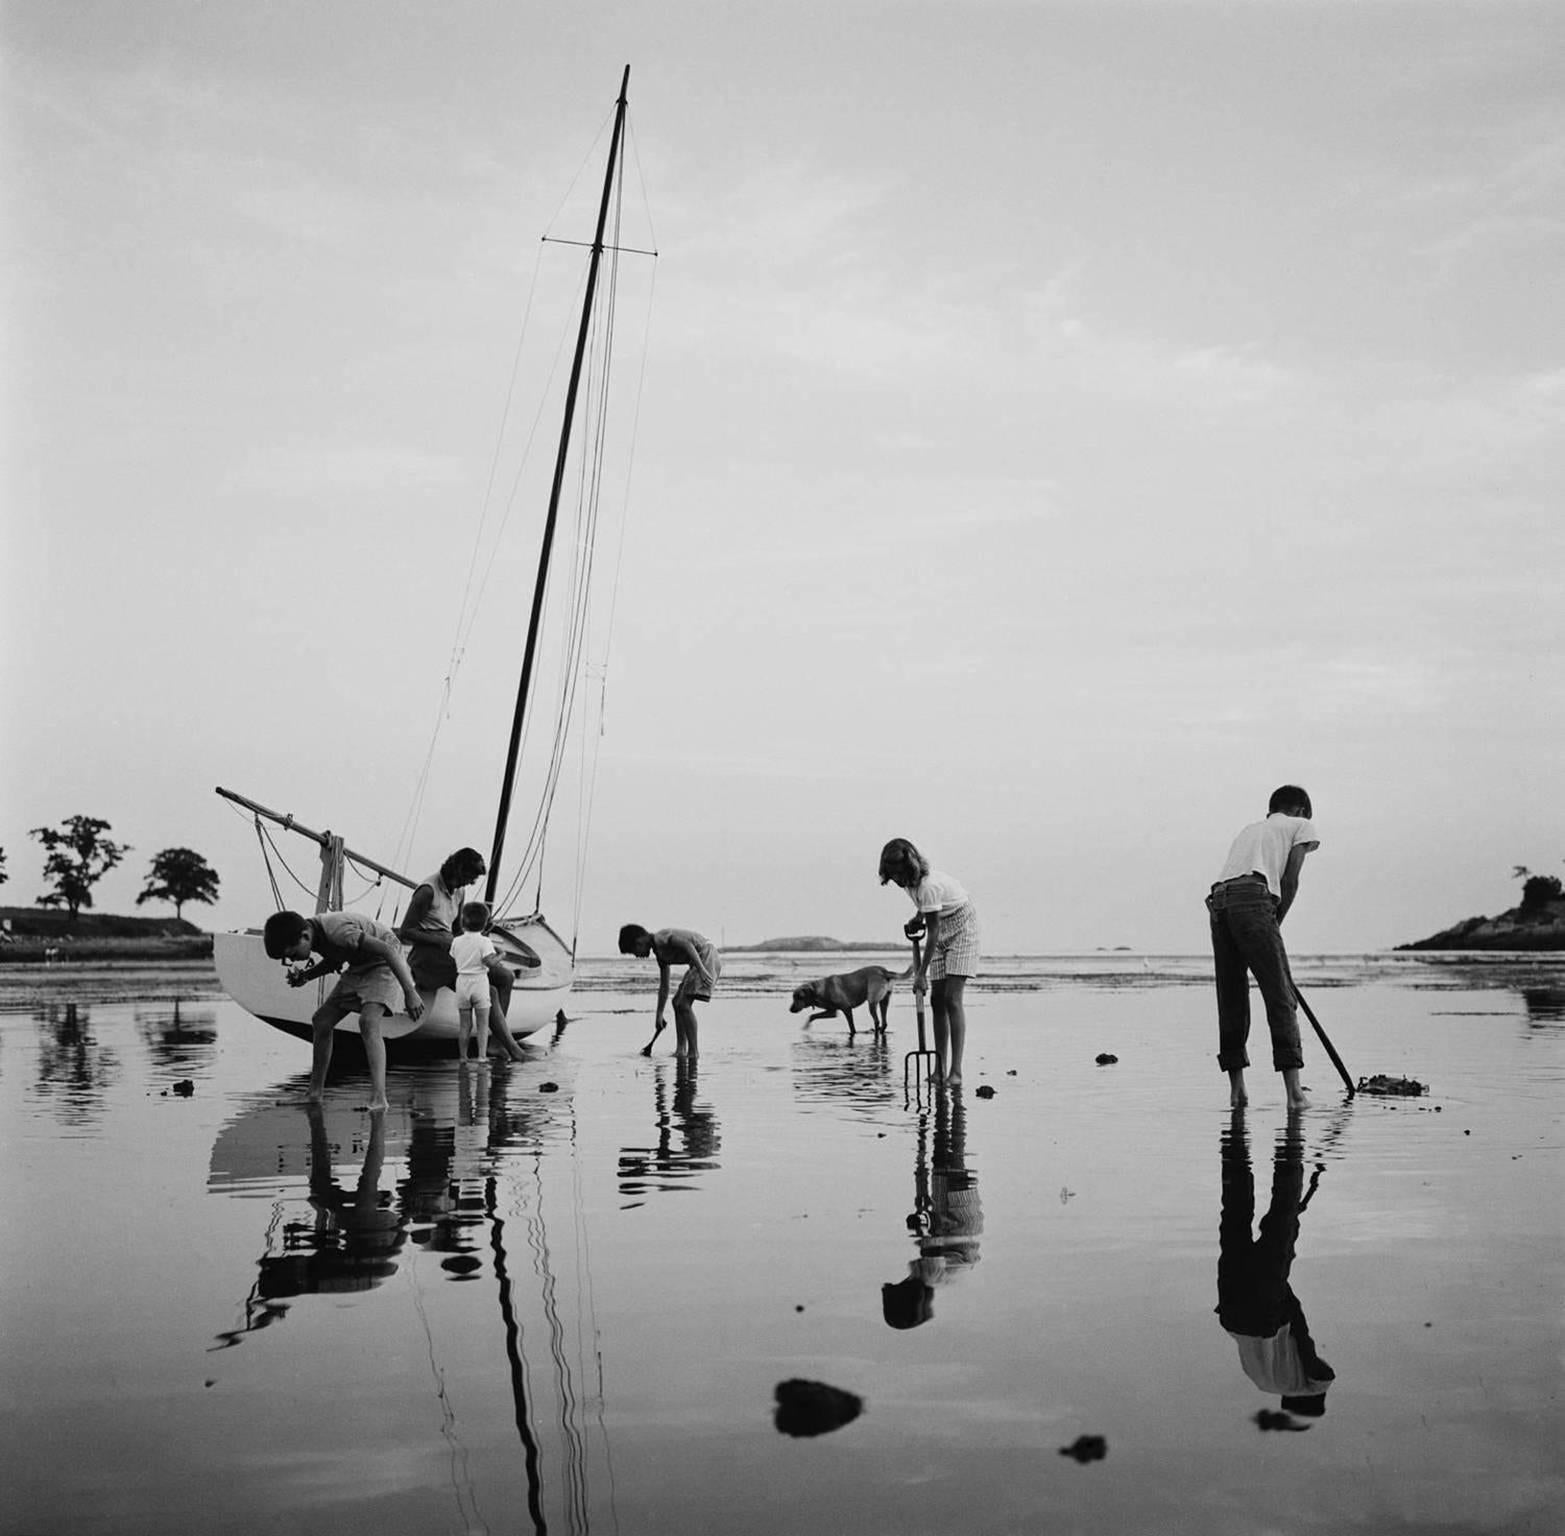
[1537, 924]
[810, 944]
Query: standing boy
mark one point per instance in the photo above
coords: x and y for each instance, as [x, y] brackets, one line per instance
[376, 984]
[1247, 905]
[676, 946]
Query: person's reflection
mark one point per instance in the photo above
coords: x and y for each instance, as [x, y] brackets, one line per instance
[946, 1220]
[349, 1244]
[688, 1135]
[1255, 1303]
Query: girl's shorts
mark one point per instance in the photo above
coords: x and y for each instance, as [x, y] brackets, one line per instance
[956, 944]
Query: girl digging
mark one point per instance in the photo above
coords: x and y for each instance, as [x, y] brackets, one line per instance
[951, 945]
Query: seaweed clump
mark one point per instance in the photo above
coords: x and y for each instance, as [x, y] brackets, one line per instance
[1392, 1087]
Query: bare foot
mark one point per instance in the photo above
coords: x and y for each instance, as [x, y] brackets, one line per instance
[954, 1080]
[1238, 1099]
[377, 1106]
[314, 1096]
[1297, 1101]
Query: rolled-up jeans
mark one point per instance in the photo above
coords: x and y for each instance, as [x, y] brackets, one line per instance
[1246, 940]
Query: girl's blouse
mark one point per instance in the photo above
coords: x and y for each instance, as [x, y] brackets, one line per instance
[939, 892]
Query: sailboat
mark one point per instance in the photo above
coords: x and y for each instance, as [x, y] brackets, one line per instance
[542, 961]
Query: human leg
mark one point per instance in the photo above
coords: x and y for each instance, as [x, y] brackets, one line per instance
[950, 994]
[1233, 1000]
[464, 1027]
[942, 1027]
[497, 1019]
[371, 1017]
[324, 1025]
[685, 1043]
[481, 1028]
[1260, 940]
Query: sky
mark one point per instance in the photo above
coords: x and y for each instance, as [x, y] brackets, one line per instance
[1054, 426]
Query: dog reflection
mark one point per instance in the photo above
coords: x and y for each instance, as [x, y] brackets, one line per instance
[946, 1220]
[1255, 1303]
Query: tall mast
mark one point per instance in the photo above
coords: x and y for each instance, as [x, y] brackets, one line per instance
[525, 685]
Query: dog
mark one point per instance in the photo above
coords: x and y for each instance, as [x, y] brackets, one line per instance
[868, 987]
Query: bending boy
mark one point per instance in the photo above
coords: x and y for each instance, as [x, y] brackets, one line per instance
[1247, 904]
[676, 946]
[376, 984]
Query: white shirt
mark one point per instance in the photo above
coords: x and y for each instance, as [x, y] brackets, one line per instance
[469, 951]
[939, 893]
[1263, 848]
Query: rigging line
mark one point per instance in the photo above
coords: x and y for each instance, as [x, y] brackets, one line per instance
[646, 202]
[570, 1430]
[460, 1465]
[513, 495]
[303, 885]
[277, 894]
[589, 487]
[608, 635]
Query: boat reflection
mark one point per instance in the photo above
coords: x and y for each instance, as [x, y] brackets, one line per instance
[947, 1216]
[1255, 1302]
[460, 1168]
[689, 1136]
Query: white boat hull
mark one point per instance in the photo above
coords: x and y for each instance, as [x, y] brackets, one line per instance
[260, 986]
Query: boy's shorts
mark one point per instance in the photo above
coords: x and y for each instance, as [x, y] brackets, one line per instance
[368, 984]
[697, 988]
[472, 991]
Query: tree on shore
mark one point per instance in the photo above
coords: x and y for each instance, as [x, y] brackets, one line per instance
[3, 876]
[1537, 890]
[179, 875]
[80, 855]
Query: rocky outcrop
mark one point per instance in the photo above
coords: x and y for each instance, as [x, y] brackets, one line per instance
[1539, 927]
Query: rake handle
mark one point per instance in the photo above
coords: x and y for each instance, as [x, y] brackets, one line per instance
[1331, 1050]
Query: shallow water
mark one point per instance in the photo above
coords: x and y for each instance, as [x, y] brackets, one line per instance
[502, 1307]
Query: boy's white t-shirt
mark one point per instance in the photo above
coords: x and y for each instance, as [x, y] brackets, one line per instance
[938, 892]
[470, 950]
[1263, 848]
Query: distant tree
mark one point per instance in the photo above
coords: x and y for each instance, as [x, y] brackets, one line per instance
[179, 875]
[1539, 891]
[79, 857]
[3, 876]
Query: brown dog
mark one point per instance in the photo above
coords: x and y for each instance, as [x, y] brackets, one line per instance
[868, 987]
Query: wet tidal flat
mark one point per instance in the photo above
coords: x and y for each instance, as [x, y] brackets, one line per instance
[774, 1292]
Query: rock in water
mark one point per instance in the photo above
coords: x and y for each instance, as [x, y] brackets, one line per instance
[1085, 1448]
[813, 1408]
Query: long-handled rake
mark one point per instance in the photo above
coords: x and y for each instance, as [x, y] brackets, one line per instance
[1331, 1050]
[918, 1066]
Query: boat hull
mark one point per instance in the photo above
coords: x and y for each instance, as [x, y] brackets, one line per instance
[260, 986]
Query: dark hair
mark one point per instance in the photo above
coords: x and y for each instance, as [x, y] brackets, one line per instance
[630, 936]
[898, 859]
[282, 931]
[475, 916]
[463, 867]
[1286, 796]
